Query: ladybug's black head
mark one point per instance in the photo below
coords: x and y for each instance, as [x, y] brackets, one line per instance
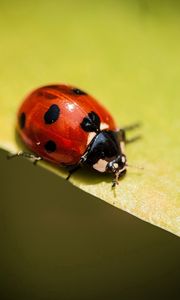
[117, 167]
[105, 154]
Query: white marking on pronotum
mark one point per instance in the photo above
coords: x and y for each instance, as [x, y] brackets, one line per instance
[100, 165]
[91, 135]
[103, 126]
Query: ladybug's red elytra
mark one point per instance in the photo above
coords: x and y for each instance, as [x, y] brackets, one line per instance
[67, 127]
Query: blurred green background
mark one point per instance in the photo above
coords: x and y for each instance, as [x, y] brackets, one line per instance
[58, 242]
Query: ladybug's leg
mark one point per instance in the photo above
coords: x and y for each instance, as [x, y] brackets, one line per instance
[76, 167]
[117, 176]
[122, 133]
[30, 156]
[73, 170]
[133, 139]
[131, 127]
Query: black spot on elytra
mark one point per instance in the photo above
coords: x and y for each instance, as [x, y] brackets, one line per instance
[52, 114]
[67, 89]
[50, 146]
[49, 96]
[39, 93]
[22, 120]
[78, 92]
[91, 123]
[54, 87]
[46, 95]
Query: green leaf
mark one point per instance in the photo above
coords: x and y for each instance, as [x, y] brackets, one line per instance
[127, 56]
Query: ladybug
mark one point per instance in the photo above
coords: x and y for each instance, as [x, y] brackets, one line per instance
[67, 127]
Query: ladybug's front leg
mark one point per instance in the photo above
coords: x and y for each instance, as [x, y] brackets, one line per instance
[76, 167]
[30, 156]
[115, 181]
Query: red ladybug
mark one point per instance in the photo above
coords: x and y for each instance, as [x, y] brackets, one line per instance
[66, 126]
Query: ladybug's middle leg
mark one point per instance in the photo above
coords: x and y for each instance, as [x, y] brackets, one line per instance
[122, 133]
[30, 156]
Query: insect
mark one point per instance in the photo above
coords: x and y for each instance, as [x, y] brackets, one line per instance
[67, 127]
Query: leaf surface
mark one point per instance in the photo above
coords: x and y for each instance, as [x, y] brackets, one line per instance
[127, 56]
